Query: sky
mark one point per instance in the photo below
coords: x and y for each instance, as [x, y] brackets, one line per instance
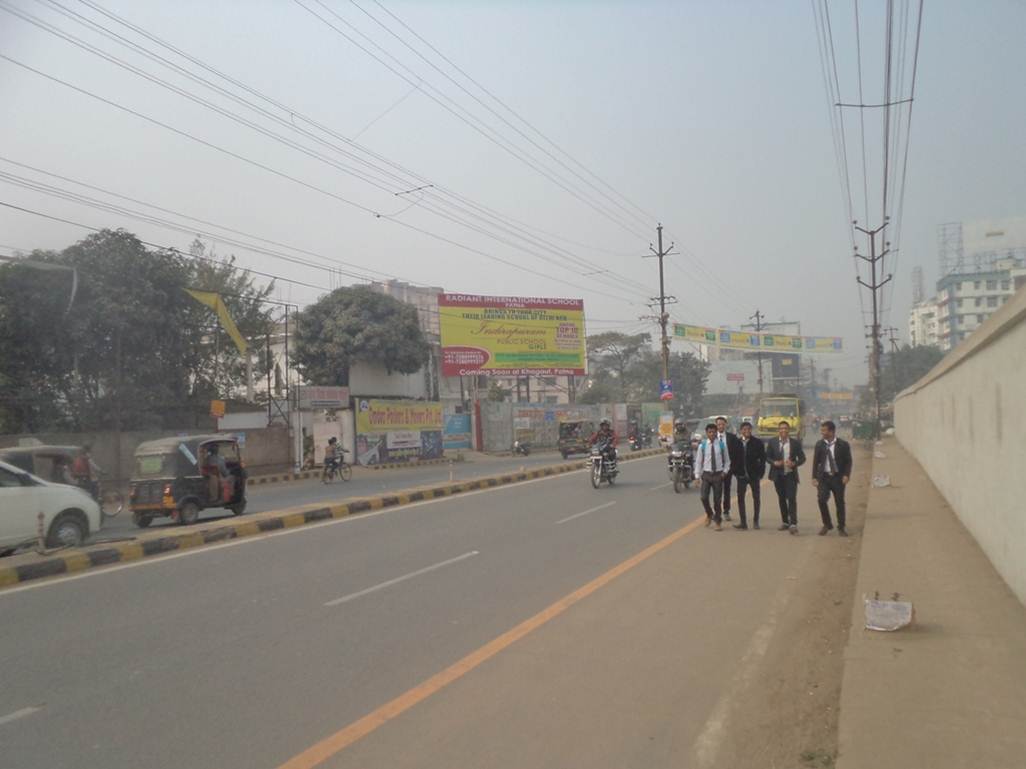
[709, 117]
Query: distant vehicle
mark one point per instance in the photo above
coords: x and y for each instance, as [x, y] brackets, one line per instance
[70, 515]
[731, 423]
[177, 478]
[783, 407]
[54, 463]
[573, 437]
[844, 420]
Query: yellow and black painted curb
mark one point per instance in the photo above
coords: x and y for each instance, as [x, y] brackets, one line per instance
[415, 463]
[104, 555]
[259, 480]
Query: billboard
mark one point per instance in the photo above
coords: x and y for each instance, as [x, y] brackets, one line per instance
[397, 431]
[511, 336]
[752, 342]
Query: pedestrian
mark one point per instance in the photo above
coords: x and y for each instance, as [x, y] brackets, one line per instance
[713, 463]
[733, 443]
[831, 471]
[749, 467]
[785, 456]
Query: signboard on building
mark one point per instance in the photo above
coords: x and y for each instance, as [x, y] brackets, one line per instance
[397, 431]
[457, 431]
[785, 366]
[836, 395]
[511, 336]
[311, 397]
[755, 342]
[735, 377]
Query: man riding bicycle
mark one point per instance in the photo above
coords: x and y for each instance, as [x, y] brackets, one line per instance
[333, 454]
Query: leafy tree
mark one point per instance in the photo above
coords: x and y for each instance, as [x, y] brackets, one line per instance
[905, 367]
[688, 373]
[356, 324]
[612, 353]
[129, 352]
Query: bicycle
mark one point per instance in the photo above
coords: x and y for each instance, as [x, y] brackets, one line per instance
[338, 468]
[111, 501]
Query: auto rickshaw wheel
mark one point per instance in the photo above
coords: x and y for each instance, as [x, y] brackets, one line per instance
[142, 520]
[188, 513]
[238, 508]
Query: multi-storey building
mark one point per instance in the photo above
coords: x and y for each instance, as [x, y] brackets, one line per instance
[922, 324]
[966, 300]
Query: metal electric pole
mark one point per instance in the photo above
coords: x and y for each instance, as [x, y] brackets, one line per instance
[874, 285]
[758, 330]
[663, 299]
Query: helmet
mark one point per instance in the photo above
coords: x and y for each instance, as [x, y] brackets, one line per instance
[679, 423]
[605, 423]
[333, 439]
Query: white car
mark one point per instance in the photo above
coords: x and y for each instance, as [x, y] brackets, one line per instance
[69, 514]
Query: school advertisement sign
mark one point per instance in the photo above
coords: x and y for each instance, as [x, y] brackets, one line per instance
[397, 431]
[511, 336]
[756, 342]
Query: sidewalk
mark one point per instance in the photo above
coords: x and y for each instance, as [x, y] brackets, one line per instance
[950, 691]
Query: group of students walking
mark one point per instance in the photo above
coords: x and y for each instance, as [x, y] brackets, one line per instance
[722, 457]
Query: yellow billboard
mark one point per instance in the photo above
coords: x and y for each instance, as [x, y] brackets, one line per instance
[511, 336]
[754, 342]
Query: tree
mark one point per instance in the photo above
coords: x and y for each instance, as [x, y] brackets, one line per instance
[905, 367]
[688, 373]
[131, 349]
[613, 353]
[357, 324]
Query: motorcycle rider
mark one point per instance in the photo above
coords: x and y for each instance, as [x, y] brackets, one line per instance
[606, 439]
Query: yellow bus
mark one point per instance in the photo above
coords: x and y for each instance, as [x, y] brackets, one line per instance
[774, 409]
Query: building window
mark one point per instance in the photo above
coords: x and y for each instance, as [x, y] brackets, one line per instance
[979, 302]
[992, 301]
[1006, 285]
[958, 303]
[992, 285]
[980, 318]
[961, 320]
[976, 285]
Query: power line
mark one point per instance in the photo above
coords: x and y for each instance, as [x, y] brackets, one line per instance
[378, 183]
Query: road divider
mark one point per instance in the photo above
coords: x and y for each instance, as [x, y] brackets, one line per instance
[152, 544]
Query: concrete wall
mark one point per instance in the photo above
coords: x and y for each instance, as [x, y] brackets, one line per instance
[965, 423]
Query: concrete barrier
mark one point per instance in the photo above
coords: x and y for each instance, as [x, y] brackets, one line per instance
[965, 422]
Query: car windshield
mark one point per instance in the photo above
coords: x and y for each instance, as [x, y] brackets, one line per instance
[780, 409]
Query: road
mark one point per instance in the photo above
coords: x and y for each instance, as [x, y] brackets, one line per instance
[276, 496]
[544, 624]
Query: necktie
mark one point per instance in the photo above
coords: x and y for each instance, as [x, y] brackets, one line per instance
[830, 459]
[713, 456]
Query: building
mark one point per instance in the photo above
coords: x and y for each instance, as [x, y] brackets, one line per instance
[922, 324]
[966, 299]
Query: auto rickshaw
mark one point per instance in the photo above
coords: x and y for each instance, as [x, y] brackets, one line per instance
[573, 437]
[178, 478]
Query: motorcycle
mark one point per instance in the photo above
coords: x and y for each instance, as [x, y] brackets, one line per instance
[603, 465]
[523, 448]
[681, 465]
[635, 442]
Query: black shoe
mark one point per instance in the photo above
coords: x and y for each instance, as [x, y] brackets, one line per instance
[741, 526]
[842, 532]
[726, 516]
[824, 530]
[755, 525]
[708, 521]
[794, 530]
[783, 527]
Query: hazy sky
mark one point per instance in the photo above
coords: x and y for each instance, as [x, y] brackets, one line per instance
[711, 117]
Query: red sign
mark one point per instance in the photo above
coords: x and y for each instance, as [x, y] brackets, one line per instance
[735, 377]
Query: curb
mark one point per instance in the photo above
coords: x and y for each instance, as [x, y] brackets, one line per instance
[259, 480]
[402, 465]
[105, 555]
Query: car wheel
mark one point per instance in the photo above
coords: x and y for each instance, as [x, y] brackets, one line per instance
[188, 513]
[142, 521]
[69, 529]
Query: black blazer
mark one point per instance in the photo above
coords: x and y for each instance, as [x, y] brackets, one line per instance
[842, 456]
[773, 454]
[733, 449]
[755, 467]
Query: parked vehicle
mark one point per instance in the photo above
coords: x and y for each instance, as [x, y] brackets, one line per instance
[54, 463]
[774, 409]
[521, 448]
[573, 437]
[178, 478]
[603, 465]
[70, 515]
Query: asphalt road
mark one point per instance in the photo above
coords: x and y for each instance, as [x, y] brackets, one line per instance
[245, 655]
[275, 496]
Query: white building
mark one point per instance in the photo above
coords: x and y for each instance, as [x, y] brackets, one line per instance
[965, 300]
[922, 324]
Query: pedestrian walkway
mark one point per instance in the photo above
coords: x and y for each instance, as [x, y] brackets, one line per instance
[948, 691]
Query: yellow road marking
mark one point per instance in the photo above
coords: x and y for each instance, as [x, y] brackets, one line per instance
[357, 730]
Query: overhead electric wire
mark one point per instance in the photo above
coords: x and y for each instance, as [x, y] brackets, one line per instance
[479, 126]
[402, 182]
[308, 185]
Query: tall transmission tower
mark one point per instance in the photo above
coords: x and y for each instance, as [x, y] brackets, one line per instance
[950, 248]
[918, 294]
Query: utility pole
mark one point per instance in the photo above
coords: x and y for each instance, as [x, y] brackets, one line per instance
[663, 299]
[892, 338]
[758, 330]
[875, 284]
